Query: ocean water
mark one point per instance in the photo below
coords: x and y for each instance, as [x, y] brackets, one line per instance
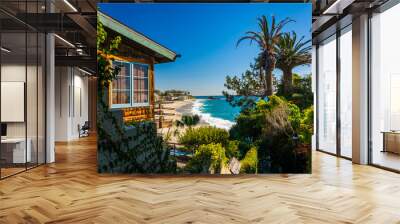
[216, 111]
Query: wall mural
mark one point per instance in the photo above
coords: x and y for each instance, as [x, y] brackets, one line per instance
[235, 99]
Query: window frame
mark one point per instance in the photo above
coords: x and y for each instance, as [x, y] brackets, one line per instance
[134, 104]
[124, 105]
[131, 87]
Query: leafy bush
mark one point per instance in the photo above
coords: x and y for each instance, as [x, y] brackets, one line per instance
[306, 125]
[301, 94]
[194, 137]
[277, 150]
[208, 158]
[232, 149]
[273, 101]
[249, 163]
[248, 127]
[272, 126]
[294, 116]
[188, 120]
[250, 123]
[294, 113]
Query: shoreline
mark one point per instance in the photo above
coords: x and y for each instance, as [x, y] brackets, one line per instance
[174, 110]
[185, 109]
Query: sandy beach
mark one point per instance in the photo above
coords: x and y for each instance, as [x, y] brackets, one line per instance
[173, 111]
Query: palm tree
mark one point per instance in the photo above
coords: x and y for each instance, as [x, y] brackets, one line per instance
[291, 52]
[267, 38]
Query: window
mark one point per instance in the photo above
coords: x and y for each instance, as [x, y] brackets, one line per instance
[121, 86]
[141, 84]
[327, 95]
[346, 92]
[131, 86]
[22, 76]
[385, 89]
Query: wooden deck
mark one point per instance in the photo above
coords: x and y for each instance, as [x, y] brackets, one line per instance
[71, 191]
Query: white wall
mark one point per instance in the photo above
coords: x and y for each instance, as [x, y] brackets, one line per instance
[62, 82]
[71, 102]
[12, 73]
[33, 127]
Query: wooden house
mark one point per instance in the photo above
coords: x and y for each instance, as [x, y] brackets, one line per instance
[133, 89]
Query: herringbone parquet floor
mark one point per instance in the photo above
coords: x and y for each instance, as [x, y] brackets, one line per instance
[71, 191]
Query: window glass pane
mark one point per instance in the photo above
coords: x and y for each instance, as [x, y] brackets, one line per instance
[41, 99]
[141, 84]
[346, 92]
[14, 153]
[22, 66]
[121, 86]
[32, 98]
[327, 95]
[385, 88]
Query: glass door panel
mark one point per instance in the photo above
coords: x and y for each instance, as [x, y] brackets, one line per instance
[14, 153]
[385, 89]
[346, 92]
[327, 95]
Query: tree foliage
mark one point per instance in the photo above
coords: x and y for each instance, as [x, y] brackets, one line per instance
[301, 93]
[194, 137]
[278, 49]
[257, 83]
[249, 163]
[290, 53]
[274, 126]
[188, 120]
[307, 125]
[105, 47]
[208, 158]
[232, 149]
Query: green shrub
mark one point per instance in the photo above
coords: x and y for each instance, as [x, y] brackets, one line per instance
[249, 163]
[301, 93]
[188, 120]
[294, 116]
[208, 158]
[194, 137]
[232, 149]
[250, 123]
[248, 126]
[273, 101]
[306, 125]
[277, 149]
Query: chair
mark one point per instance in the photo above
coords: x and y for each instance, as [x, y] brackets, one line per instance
[84, 130]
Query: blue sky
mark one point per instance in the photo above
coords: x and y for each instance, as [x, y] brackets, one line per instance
[206, 35]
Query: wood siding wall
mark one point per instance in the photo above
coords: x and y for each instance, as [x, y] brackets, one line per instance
[144, 112]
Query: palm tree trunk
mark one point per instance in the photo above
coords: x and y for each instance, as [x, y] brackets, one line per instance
[269, 82]
[269, 67]
[287, 81]
[262, 79]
